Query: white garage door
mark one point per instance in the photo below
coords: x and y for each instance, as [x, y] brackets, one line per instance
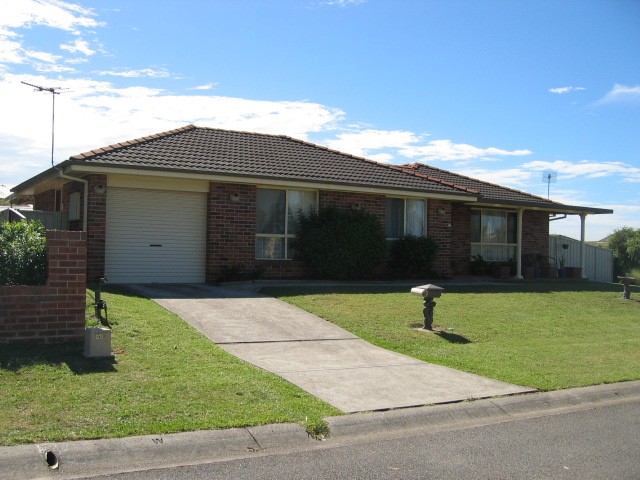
[155, 236]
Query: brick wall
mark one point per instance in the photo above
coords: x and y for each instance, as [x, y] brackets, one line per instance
[439, 228]
[231, 228]
[96, 228]
[346, 200]
[460, 238]
[535, 233]
[55, 312]
[45, 201]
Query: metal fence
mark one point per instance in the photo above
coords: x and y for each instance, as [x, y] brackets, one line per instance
[598, 261]
[50, 220]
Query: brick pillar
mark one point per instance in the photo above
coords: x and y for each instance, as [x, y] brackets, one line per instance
[439, 228]
[96, 228]
[231, 227]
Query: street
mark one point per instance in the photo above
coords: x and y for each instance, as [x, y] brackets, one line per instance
[595, 443]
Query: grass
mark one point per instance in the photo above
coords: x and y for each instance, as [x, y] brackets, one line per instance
[547, 335]
[166, 378]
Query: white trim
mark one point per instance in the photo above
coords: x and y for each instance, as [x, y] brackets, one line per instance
[267, 181]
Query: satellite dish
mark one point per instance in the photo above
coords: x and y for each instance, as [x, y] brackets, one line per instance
[549, 177]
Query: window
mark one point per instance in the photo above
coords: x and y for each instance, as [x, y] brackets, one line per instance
[494, 234]
[277, 218]
[405, 217]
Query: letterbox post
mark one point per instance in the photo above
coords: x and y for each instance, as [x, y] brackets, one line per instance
[428, 292]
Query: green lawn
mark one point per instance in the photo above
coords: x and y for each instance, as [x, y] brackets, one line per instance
[547, 335]
[166, 378]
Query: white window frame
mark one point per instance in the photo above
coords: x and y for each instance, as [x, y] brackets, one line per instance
[484, 248]
[286, 236]
[404, 220]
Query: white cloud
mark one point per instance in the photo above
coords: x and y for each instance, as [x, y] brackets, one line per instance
[446, 150]
[398, 143]
[562, 90]
[79, 45]
[343, 3]
[207, 86]
[365, 142]
[25, 14]
[518, 178]
[51, 13]
[143, 72]
[42, 56]
[587, 169]
[621, 94]
[91, 114]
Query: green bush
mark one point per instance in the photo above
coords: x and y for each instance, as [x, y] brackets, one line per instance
[23, 253]
[340, 244]
[625, 243]
[413, 256]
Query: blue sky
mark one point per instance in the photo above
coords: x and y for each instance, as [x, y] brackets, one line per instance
[498, 90]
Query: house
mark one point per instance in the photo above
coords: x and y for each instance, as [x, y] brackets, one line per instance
[183, 205]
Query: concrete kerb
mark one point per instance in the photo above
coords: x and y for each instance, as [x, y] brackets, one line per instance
[101, 457]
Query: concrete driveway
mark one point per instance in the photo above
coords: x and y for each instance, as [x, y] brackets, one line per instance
[316, 355]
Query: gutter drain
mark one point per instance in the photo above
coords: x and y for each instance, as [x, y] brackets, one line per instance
[51, 459]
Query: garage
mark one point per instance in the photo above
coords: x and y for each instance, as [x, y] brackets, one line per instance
[155, 236]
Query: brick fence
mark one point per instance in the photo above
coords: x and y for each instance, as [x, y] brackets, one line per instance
[55, 312]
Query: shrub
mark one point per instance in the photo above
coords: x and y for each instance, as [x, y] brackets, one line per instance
[340, 244]
[23, 253]
[625, 243]
[413, 256]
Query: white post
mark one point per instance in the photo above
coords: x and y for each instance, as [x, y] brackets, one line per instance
[519, 245]
[583, 218]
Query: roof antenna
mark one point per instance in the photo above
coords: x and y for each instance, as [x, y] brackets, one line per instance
[54, 91]
[550, 177]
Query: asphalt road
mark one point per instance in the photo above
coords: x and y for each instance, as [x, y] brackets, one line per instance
[596, 443]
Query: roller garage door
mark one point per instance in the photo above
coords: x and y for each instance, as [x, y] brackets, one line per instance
[155, 236]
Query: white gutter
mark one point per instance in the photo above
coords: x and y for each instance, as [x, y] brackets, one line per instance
[85, 196]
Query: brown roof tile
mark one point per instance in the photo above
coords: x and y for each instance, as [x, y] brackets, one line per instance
[256, 155]
[485, 190]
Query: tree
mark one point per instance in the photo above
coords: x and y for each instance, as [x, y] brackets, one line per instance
[625, 244]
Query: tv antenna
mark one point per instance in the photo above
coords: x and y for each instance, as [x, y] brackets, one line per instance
[53, 91]
[550, 177]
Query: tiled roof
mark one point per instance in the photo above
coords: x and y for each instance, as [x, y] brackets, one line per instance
[255, 155]
[487, 191]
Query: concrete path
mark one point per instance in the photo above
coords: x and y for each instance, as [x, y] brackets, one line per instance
[316, 355]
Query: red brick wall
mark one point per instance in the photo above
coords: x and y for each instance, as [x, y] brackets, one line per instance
[439, 228]
[55, 312]
[346, 200]
[460, 238]
[535, 233]
[45, 201]
[96, 228]
[231, 228]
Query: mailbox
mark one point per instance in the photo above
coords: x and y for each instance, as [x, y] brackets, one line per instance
[428, 292]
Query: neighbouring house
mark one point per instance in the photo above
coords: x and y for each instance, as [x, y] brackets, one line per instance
[184, 205]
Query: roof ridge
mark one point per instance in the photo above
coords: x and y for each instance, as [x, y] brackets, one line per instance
[128, 143]
[418, 165]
